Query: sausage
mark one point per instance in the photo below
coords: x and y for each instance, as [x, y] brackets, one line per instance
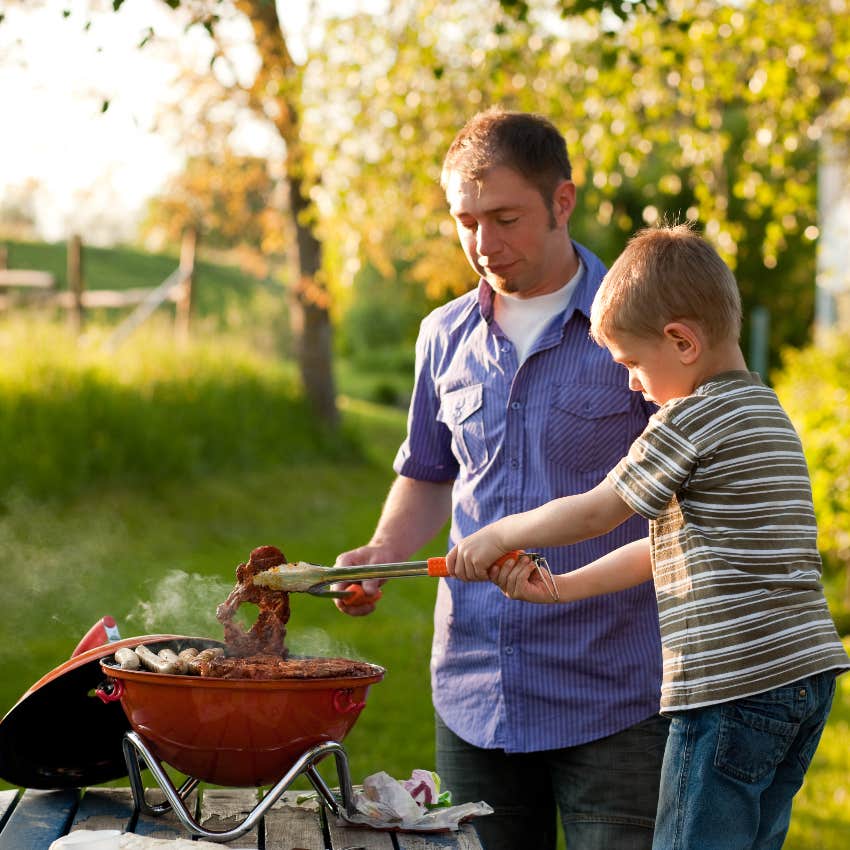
[203, 657]
[171, 657]
[186, 655]
[126, 658]
[153, 662]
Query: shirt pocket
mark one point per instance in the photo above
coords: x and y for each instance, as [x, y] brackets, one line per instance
[588, 428]
[462, 412]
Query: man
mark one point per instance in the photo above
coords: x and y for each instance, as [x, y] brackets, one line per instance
[513, 405]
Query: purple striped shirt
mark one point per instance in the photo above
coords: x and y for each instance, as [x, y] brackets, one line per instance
[507, 674]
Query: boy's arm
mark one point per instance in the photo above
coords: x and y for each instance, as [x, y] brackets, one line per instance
[556, 523]
[624, 567]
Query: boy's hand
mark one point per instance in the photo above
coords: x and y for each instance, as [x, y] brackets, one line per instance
[474, 555]
[520, 579]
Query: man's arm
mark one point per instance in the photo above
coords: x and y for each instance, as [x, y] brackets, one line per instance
[413, 513]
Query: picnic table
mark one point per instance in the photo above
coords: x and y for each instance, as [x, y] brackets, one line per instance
[31, 820]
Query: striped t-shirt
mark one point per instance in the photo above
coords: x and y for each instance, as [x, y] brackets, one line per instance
[722, 478]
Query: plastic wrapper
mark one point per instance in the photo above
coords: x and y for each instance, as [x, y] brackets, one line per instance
[416, 804]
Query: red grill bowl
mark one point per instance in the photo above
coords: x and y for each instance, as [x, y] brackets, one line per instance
[237, 732]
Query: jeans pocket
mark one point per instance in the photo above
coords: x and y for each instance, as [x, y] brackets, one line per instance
[815, 724]
[753, 738]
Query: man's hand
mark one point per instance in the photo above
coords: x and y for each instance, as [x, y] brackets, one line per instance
[520, 579]
[363, 555]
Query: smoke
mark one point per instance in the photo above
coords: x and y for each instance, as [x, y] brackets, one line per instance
[316, 642]
[181, 603]
[56, 581]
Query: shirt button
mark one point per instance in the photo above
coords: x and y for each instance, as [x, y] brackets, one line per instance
[802, 692]
[514, 464]
[515, 405]
[509, 650]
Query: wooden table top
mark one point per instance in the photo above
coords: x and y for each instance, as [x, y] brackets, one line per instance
[31, 820]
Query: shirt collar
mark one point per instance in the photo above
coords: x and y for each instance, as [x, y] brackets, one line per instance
[582, 297]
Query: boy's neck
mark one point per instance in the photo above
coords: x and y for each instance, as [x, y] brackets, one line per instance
[726, 357]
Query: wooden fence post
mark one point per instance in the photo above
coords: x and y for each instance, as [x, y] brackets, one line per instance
[75, 283]
[184, 295]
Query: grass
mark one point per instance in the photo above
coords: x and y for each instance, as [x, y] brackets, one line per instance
[160, 562]
[153, 412]
[134, 485]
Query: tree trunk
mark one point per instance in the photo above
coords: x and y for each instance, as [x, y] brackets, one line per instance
[279, 79]
[311, 322]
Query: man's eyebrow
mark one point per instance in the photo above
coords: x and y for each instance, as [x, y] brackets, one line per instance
[506, 208]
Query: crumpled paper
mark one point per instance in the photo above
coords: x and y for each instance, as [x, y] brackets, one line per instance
[414, 804]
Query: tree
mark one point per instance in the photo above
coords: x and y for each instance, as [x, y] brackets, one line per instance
[707, 110]
[231, 200]
[276, 92]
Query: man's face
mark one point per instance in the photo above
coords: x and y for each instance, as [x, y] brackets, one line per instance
[512, 239]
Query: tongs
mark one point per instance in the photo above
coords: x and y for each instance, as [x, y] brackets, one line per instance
[303, 577]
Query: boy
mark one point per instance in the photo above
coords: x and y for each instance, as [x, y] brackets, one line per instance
[750, 651]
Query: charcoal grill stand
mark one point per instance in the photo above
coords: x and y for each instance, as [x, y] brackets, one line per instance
[136, 751]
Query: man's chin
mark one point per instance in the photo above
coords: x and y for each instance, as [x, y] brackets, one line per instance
[501, 284]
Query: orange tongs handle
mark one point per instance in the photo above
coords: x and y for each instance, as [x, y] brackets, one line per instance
[357, 596]
[437, 566]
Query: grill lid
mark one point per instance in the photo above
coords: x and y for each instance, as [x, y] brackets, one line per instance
[59, 734]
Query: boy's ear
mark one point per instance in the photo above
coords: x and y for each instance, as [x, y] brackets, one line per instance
[687, 342]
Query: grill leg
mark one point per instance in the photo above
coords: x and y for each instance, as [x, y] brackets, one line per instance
[134, 747]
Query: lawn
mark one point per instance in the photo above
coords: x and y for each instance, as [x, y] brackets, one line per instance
[162, 561]
[133, 486]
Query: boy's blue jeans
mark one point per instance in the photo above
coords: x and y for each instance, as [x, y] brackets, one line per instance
[731, 770]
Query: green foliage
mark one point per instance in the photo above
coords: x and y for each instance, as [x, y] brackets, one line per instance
[383, 312]
[621, 8]
[377, 333]
[709, 110]
[382, 375]
[152, 412]
[231, 200]
[814, 387]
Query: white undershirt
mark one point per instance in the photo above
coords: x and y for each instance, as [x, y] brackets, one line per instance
[523, 319]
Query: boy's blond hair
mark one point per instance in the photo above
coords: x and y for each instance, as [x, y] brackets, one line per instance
[667, 274]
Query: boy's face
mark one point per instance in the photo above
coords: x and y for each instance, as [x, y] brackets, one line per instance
[506, 230]
[654, 364]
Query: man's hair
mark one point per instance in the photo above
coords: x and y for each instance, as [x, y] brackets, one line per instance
[667, 274]
[527, 143]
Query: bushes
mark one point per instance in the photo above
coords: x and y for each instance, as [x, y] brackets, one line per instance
[814, 386]
[74, 418]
